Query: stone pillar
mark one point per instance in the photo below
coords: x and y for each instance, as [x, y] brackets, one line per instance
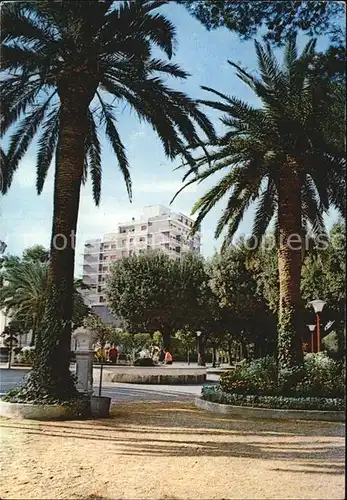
[84, 360]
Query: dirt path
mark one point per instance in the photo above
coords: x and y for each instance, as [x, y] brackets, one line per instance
[171, 451]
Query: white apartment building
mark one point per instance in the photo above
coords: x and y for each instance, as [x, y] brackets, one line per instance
[157, 228]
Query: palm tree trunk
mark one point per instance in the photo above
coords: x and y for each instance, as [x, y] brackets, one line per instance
[289, 265]
[51, 370]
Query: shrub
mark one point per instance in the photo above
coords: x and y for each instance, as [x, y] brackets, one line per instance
[255, 377]
[216, 395]
[144, 362]
[26, 356]
[320, 376]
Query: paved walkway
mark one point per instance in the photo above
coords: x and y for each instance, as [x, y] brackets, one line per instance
[120, 392]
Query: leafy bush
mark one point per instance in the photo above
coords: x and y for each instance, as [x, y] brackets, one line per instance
[255, 377]
[144, 362]
[216, 395]
[320, 376]
[78, 405]
[26, 356]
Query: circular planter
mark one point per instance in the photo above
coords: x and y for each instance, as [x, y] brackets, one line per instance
[36, 412]
[269, 413]
[167, 375]
[100, 406]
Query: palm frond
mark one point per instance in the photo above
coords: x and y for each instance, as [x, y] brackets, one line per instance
[93, 156]
[46, 147]
[116, 143]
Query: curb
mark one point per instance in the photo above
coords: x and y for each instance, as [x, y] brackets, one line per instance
[270, 413]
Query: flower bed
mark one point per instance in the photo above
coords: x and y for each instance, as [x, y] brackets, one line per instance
[319, 384]
[216, 395]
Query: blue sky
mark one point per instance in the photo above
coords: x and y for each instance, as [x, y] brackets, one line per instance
[26, 217]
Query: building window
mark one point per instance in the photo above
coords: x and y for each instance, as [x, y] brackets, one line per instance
[143, 228]
[178, 249]
[141, 251]
[122, 230]
[113, 246]
[105, 268]
[142, 240]
[102, 299]
[113, 257]
[124, 242]
[150, 223]
[124, 253]
[131, 240]
[106, 247]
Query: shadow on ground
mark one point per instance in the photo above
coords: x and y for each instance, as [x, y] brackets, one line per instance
[179, 429]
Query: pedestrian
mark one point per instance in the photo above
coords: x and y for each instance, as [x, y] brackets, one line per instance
[113, 354]
[168, 357]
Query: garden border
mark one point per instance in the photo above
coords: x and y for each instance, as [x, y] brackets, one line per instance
[36, 411]
[270, 413]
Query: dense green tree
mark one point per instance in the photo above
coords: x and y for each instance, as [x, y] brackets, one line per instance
[68, 67]
[278, 19]
[278, 154]
[152, 292]
[36, 253]
[245, 315]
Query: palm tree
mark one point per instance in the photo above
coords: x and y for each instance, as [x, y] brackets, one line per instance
[23, 296]
[278, 155]
[68, 66]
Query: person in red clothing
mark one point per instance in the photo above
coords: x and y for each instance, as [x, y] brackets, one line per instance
[113, 354]
[168, 358]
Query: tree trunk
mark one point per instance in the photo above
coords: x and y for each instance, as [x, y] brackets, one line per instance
[51, 374]
[166, 339]
[214, 356]
[289, 265]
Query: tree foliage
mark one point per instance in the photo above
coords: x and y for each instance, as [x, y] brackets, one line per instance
[277, 19]
[152, 292]
[257, 141]
[245, 315]
[36, 253]
[44, 46]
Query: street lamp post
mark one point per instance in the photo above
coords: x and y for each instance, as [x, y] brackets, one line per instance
[312, 329]
[318, 308]
[198, 336]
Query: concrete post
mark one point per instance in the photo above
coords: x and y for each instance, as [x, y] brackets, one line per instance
[84, 360]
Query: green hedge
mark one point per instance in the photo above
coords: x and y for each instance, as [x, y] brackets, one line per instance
[319, 376]
[216, 395]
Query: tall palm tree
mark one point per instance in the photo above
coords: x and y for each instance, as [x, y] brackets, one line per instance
[68, 67]
[281, 156]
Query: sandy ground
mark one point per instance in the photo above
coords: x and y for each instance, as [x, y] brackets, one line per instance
[171, 451]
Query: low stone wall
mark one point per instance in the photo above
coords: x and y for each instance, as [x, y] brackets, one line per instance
[269, 413]
[35, 412]
[166, 375]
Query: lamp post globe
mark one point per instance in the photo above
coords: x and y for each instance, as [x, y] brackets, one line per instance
[318, 306]
[312, 329]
